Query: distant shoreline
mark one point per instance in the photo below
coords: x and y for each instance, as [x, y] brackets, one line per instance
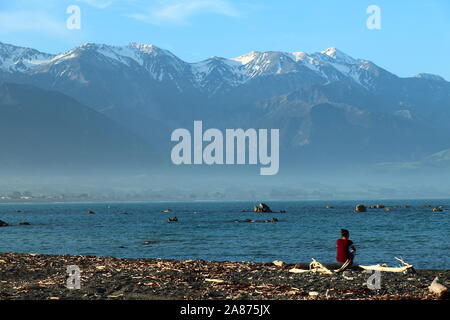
[219, 200]
[38, 276]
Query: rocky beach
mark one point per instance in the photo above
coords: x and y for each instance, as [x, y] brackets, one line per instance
[44, 277]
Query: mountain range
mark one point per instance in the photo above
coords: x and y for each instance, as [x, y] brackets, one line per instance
[331, 108]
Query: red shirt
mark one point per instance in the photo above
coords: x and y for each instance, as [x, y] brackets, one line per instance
[342, 249]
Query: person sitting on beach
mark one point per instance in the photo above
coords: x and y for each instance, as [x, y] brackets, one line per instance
[345, 250]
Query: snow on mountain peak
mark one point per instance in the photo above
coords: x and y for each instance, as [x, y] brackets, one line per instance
[429, 76]
[248, 57]
[338, 55]
[14, 58]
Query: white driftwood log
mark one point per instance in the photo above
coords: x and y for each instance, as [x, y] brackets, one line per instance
[279, 263]
[314, 266]
[383, 267]
[437, 288]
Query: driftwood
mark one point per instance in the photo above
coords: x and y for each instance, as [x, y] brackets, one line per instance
[438, 289]
[279, 263]
[344, 266]
[384, 267]
[314, 266]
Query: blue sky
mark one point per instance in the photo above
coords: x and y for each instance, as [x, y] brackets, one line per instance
[414, 35]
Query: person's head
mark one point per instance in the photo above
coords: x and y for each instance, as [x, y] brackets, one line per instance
[345, 234]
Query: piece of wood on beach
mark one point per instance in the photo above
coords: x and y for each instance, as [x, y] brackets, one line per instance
[437, 288]
[214, 280]
[279, 263]
[383, 267]
[297, 270]
[314, 266]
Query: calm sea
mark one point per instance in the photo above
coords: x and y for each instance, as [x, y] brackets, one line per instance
[206, 230]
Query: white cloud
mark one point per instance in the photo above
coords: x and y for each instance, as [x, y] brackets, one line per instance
[178, 12]
[13, 21]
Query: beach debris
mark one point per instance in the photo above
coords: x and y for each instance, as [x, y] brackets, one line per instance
[360, 208]
[167, 210]
[279, 263]
[329, 207]
[297, 270]
[3, 224]
[262, 207]
[214, 280]
[437, 288]
[385, 268]
[90, 212]
[172, 219]
[313, 293]
[24, 223]
[315, 266]
[346, 264]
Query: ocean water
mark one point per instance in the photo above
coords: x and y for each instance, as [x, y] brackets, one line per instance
[206, 230]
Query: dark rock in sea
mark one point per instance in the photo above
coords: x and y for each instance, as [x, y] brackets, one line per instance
[360, 208]
[173, 219]
[244, 210]
[121, 247]
[3, 224]
[24, 223]
[19, 211]
[90, 212]
[262, 207]
[282, 211]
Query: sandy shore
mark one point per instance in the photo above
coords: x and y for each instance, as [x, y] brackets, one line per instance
[30, 276]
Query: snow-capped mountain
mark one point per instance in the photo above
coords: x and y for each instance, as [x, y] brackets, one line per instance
[210, 75]
[18, 59]
[321, 101]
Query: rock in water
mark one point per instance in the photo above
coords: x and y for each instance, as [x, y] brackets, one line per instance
[262, 207]
[360, 208]
[437, 209]
[24, 223]
[3, 224]
[173, 219]
[90, 212]
[437, 288]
